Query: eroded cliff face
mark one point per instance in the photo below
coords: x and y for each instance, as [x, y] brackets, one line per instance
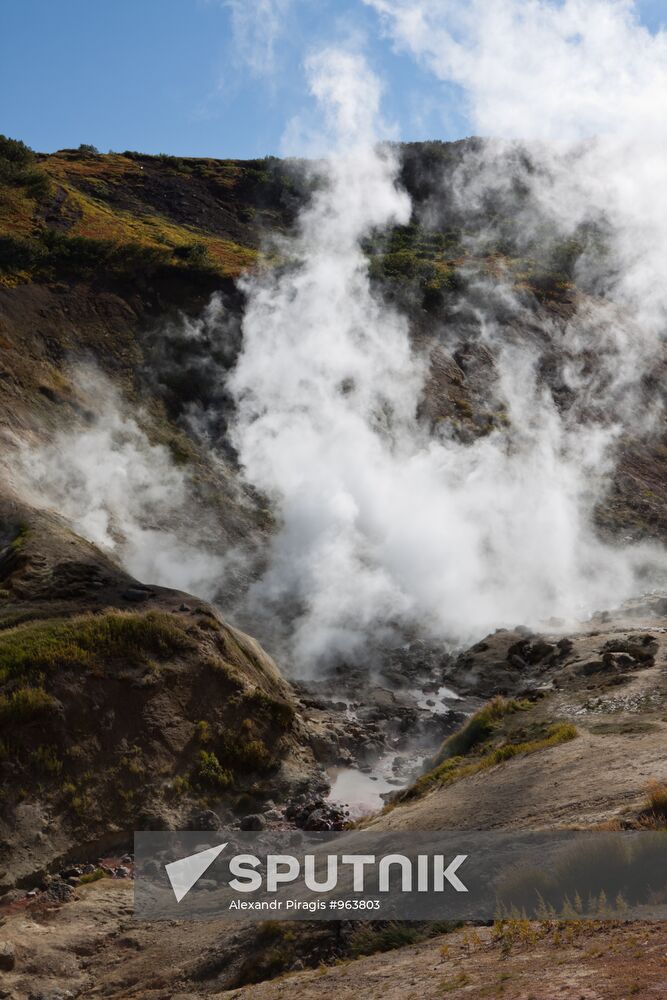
[124, 705]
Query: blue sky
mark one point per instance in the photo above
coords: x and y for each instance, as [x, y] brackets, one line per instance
[170, 75]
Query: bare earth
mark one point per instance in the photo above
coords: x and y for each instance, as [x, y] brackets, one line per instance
[599, 963]
[92, 947]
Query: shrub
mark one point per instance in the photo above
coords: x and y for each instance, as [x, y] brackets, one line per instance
[369, 940]
[18, 254]
[17, 168]
[93, 876]
[16, 152]
[210, 773]
[657, 797]
[655, 814]
[193, 253]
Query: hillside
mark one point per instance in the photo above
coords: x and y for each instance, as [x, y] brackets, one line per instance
[98, 250]
[145, 681]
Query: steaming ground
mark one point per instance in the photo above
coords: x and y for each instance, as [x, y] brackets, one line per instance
[382, 526]
[386, 525]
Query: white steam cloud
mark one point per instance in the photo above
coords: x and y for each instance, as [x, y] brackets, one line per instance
[120, 491]
[587, 78]
[384, 527]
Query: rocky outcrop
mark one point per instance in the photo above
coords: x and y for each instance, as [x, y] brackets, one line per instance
[123, 706]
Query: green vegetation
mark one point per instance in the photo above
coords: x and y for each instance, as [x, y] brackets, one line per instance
[655, 815]
[480, 744]
[108, 217]
[368, 939]
[425, 259]
[83, 233]
[90, 642]
[46, 758]
[25, 704]
[95, 876]
[210, 773]
[478, 728]
[18, 169]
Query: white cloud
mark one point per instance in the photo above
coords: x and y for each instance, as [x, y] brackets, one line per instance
[540, 69]
[258, 26]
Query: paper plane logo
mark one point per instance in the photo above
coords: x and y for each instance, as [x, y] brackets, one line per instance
[184, 873]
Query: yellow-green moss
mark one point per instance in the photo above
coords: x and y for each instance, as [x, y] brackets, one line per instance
[479, 745]
[90, 641]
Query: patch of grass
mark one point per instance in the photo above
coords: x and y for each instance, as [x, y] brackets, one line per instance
[471, 750]
[89, 642]
[259, 702]
[24, 705]
[368, 940]
[654, 816]
[20, 538]
[47, 759]
[478, 728]
[93, 876]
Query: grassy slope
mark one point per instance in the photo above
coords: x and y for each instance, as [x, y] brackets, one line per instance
[209, 214]
[197, 214]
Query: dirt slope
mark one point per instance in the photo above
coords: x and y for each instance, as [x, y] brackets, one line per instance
[122, 705]
[618, 705]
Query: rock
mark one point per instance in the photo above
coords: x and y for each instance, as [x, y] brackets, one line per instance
[7, 956]
[318, 819]
[88, 869]
[73, 872]
[206, 820]
[137, 594]
[59, 891]
[121, 872]
[253, 822]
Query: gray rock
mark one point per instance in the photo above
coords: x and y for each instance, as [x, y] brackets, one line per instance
[7, 956]
[253, 822]
[205, 820]
[137, 594]
[317, 820]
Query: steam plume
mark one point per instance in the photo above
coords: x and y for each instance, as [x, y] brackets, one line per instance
[383, 526]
